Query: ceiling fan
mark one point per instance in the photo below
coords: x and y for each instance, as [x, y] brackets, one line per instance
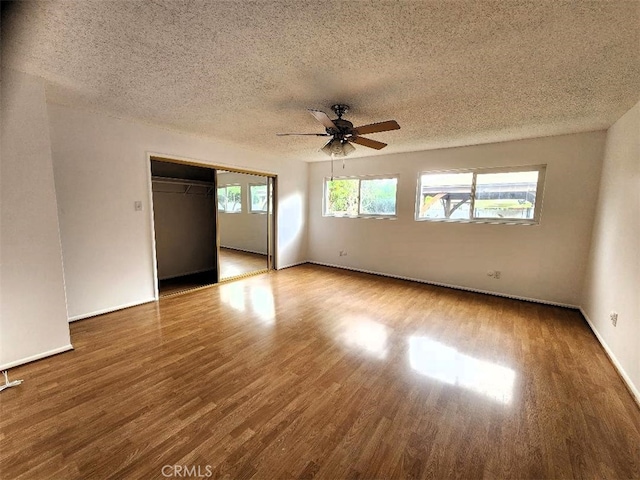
[343, 132]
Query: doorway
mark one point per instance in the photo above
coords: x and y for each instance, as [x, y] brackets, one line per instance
[210, 224]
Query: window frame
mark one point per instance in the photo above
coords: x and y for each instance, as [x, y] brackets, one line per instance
[251, 210]
[224, 210]
[537, 212]
[382, 216]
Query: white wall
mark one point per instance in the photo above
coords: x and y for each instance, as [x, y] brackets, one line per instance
[243, 230]
[613, 275]
[33, 317]
[101, 168]
[543, 262]
[184, 230]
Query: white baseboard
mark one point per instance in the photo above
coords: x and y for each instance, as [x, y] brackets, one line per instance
[627, 380]
[244, 250]
[289, 265]
[109, 310]
[39, 356]
[446, 285]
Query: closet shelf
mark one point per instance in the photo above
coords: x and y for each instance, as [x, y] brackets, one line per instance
[181, 181]
[185, 183]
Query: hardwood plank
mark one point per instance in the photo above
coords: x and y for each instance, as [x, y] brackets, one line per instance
[237, 262]
[317, 372]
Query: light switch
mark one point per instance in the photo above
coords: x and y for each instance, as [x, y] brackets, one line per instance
[137, 205]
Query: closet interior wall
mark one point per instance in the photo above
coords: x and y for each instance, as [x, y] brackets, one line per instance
[184, 221]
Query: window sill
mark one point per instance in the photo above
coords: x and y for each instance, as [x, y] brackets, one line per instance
[377, 217]
[490, 221]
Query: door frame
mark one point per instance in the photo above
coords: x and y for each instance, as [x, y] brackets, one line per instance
[272, 223]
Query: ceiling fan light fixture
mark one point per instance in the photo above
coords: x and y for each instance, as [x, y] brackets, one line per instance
[338, 148]
[347, 148]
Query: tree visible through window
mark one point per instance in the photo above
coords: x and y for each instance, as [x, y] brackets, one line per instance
[342, 197]
[378, 197]
[230, 198]
[257, 198]
[360, 197]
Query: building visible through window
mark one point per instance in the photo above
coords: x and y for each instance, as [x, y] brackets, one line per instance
[509, 195]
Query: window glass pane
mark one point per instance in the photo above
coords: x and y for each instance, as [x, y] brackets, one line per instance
[445, 195]
[510, 195]
[378, 196]
[342, 197]
[234, 203]
[222, 198]
[258, 194]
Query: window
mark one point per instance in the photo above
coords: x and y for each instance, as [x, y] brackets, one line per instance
[360, 197]
[230, 199]
[495, 195]
[445, 195]
[257, 198]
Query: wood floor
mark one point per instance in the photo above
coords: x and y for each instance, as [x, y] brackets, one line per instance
[233, 263]
[316, 372]
[186, 282]
[237, 262]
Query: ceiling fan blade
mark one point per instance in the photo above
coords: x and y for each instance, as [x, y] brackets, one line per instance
[367, 142]
[314, 134]
[323, 118]
[377, 127]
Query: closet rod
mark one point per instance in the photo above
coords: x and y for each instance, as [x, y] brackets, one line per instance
[181, 181]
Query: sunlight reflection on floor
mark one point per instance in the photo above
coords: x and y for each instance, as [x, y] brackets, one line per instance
[365, 335]
[446, 364]
[252, 299]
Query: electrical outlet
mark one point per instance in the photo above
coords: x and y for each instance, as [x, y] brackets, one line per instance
[613, 316]
[497, 274]
[343, 253]
[137, 206]
[490, 273]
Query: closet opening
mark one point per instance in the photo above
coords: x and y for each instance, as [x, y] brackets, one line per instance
[210, 224]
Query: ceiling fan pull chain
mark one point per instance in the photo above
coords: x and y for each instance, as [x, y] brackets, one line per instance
[333, 157]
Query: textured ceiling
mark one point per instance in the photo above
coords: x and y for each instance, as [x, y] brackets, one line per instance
[450, 72]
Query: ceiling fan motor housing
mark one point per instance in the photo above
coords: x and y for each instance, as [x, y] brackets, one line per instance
[343, 133]
[345, 127]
